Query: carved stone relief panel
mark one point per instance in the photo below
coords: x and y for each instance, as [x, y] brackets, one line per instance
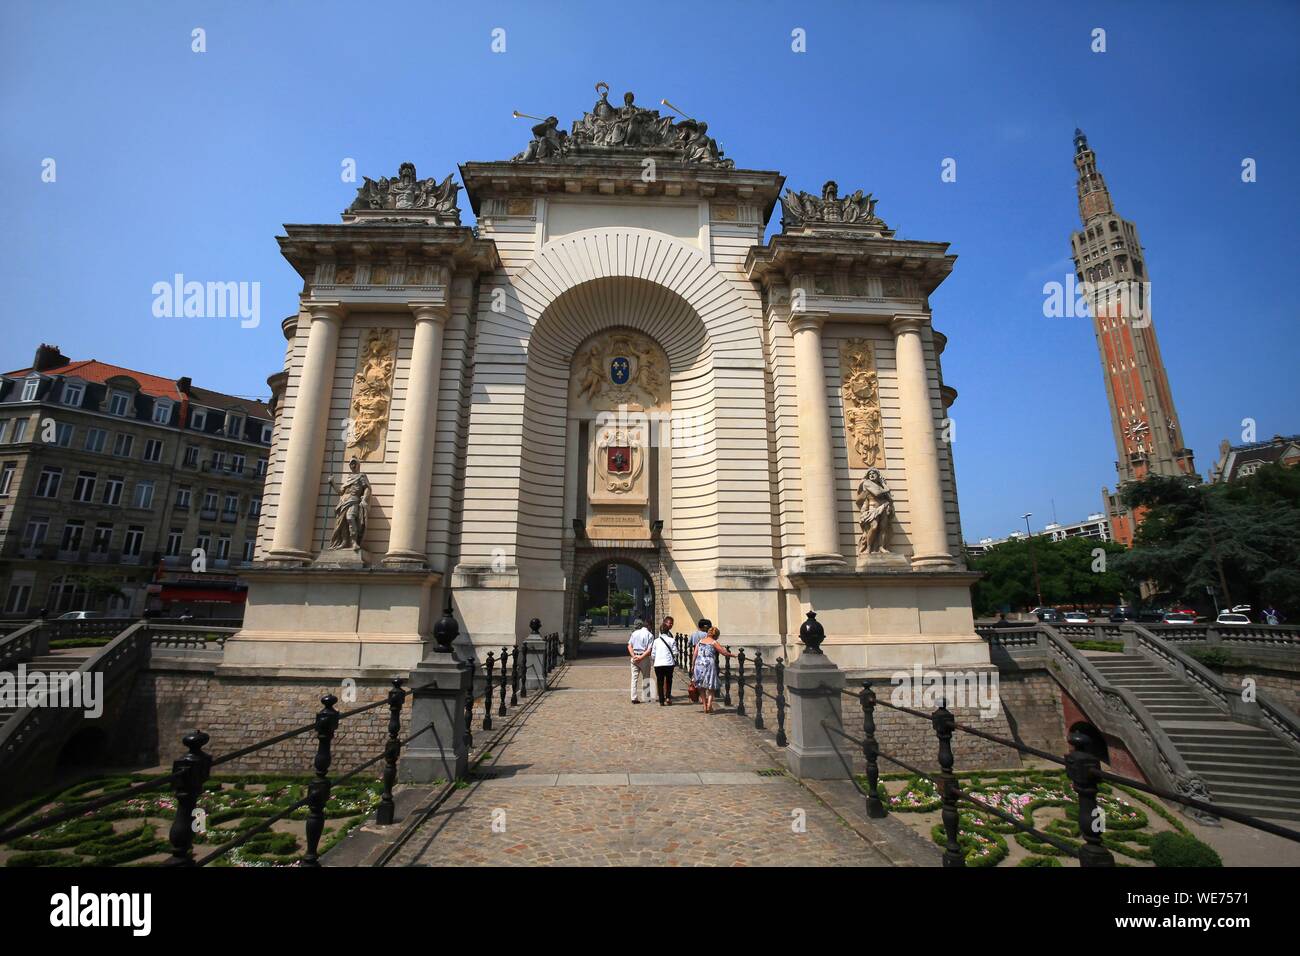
[372, 394]
[860, 389]
[619, 369]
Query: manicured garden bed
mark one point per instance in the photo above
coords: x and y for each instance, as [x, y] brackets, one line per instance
[134, 832]
[1043, 799]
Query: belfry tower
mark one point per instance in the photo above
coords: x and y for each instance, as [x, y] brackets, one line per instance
[1110, 265]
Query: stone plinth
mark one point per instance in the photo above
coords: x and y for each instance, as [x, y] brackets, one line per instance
[812, 686]
[440, 685]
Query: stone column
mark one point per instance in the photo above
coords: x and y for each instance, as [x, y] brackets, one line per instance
[816, 455]
[929, 531]
[304, 458]
[410, 514]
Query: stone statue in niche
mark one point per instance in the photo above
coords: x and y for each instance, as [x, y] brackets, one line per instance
[860, 389]
[875, 512]
[352, 511]
[372, 393]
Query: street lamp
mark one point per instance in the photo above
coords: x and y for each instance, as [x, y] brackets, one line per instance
[1038, 588]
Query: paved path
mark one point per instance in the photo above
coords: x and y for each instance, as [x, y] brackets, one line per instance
[586, 778]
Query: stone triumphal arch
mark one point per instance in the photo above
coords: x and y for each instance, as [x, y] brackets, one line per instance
[615, 364]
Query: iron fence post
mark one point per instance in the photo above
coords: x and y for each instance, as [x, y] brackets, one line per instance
[758, 690]
[1082, 767]
[193, 768]
[488, 664]
[944, 725]
[740, 682]
[871, 750]
[392, 750]
[514, 678]
[726, 683]
[780, 702]
[505, 655]
[318, 791]
[523, 684]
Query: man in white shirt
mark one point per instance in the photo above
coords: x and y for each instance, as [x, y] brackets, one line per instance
[638, 649]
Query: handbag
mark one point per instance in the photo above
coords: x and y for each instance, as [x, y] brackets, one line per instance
[693, 692]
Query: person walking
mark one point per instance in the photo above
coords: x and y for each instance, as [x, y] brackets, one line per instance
[665, 662]
[703, 626]
[704, 666]
[638, 649]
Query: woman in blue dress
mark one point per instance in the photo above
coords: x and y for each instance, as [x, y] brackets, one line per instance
[704, 666]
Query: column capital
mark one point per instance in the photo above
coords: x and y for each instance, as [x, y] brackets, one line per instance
[908, 322]
[330, 311]
[807, 321]
[430, 311]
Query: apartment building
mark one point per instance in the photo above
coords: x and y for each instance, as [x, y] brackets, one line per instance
[110, 479]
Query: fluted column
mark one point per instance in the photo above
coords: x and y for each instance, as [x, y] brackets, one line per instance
[407, 540]
[929, 531]
[304, 456]
[816, 455]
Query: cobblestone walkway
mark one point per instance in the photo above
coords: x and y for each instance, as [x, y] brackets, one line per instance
[586, 778]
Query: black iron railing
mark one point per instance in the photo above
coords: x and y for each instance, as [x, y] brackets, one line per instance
[1082, 766]
[755, 681]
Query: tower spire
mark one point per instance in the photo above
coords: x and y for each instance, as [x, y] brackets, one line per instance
[1109, 263]
[1094, 197]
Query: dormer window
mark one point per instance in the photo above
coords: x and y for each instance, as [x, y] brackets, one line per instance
[73, 393]
[29, 389]
[162, 411]
[266, 434]
[119, 403]
[235, 426]
[199, 419]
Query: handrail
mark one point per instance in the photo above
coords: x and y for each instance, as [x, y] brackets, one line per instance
[30, 640]
[1263, 712]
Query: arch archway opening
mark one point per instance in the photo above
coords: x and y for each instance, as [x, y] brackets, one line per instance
[612, 596]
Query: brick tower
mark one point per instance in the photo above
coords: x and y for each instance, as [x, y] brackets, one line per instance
[1110, 264]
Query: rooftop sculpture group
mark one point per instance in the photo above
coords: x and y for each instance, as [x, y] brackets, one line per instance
[406, 192]
[626, 128]
[801, 208]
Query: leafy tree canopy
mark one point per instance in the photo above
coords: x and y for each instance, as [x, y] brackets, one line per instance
[1073, 571]
[1243, 534]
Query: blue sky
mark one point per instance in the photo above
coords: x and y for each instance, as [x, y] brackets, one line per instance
[171, 161]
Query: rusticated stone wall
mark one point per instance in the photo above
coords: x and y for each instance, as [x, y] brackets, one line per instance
[236, 712]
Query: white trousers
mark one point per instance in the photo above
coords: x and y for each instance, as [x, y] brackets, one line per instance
[641, 679]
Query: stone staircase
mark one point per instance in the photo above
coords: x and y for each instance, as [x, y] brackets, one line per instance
[62, 661]
[1245, 768]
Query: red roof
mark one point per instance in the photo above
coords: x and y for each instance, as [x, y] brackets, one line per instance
[91, 370]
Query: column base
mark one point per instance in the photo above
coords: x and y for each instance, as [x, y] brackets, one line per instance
[406, 560]
[821, 562]
[938, 561]
[288, 559]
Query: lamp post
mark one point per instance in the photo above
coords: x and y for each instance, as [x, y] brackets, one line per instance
[1033, 558]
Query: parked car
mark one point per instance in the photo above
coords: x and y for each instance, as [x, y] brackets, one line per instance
[1151, 615]
[1179, 617]
[1077, 617]
[1232, 617]
[1049, 615]
[78, 615]
[1123, 612]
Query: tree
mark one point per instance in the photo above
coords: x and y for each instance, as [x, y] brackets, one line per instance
[1242, 537]
[1071, 571]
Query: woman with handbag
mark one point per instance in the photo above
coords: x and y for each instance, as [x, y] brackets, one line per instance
[704, 667]
[665, 662]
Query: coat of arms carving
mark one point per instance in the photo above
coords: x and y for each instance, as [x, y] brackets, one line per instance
[860, 389]
[620, 459]
[620, 369]
[372, 394]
